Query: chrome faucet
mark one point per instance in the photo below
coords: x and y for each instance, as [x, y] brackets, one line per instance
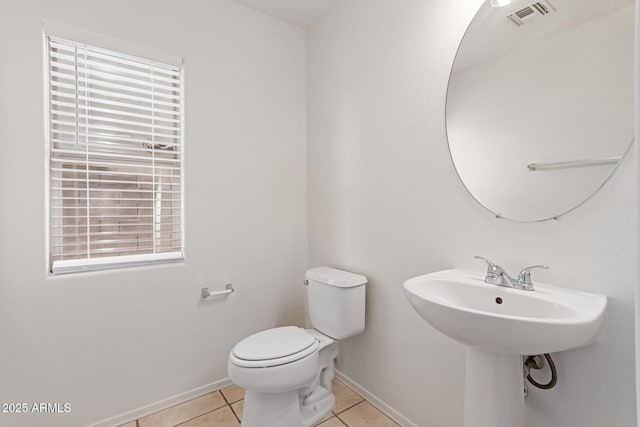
[497, 275]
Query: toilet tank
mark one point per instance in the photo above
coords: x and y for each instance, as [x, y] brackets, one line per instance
[336, 301]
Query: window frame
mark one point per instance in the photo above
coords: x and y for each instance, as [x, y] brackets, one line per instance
[138, 53]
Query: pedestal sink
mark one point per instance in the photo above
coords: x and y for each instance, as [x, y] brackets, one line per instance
[499, 325]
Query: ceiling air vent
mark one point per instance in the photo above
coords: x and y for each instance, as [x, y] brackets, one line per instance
[531, 12]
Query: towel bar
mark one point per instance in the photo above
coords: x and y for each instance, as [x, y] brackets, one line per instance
[575, 163]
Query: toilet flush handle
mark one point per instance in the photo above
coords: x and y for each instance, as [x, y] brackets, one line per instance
[306, 282]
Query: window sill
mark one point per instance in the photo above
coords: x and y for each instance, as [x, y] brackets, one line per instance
[112, 263]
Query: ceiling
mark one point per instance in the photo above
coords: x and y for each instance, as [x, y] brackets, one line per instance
[297, 12]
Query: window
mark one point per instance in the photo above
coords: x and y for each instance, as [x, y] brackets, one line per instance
[115, 159]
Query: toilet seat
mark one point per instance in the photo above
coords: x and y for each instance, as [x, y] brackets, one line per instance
[274, 347]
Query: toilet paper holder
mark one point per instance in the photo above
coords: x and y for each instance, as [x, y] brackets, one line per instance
[207, 294]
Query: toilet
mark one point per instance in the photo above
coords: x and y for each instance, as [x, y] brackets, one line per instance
[286, 372]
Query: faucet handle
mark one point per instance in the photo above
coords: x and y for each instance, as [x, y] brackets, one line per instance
[491, 265]
[524, 278]
[494, 272]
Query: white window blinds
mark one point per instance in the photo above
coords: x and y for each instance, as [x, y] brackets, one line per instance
[115, 137]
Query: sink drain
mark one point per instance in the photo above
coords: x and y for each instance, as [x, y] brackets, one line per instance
[499, 300]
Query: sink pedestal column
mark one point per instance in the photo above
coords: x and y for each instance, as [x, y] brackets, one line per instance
[494, 390]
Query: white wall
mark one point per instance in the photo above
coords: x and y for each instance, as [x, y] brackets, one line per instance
[637, 159]
[385, 201]
[111, 342]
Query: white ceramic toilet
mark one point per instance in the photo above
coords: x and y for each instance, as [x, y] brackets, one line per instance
[286, 372]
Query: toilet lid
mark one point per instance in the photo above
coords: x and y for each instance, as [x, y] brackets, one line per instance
[274, 344]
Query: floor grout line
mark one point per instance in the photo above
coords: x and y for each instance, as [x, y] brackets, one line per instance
[349, 407]
[230, 406]
[203, 414]
[341, 422]
[234, 412]
[225, 398]
[364, 400]
[200, 415]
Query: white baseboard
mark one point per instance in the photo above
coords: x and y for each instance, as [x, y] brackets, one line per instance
[375, 401]
[161, 404]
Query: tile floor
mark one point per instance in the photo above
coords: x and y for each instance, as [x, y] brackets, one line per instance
[224, 409]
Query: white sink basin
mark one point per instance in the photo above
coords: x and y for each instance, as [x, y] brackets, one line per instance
[497, 319]
[499, 325]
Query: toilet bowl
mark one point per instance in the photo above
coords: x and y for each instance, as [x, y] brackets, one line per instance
[286, 386]
[287, 371]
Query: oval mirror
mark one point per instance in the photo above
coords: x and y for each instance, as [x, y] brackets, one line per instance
[540, 103]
